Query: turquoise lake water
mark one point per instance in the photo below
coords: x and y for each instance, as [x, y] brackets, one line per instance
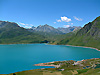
[20, 57]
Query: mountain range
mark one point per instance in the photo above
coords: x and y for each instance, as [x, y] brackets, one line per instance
[69, 29]
[11, 32]
[89, 35]
[46, 29]
[49, 29]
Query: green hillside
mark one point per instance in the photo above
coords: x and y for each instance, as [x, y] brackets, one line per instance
[89, 35]
[11, 33]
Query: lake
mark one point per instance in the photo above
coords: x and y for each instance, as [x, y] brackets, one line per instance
[20, 57]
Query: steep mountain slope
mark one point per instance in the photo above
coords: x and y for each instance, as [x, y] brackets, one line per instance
[89, 35]
[12, 33]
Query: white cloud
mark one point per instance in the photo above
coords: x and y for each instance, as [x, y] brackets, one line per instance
[58, 20]
[25, 25]
[65, 19]
[71, 23]
[31, 24]
[79, 19]
[66, 26]
[21, 23]
[54, 22]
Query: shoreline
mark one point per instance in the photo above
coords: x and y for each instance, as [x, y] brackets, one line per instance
[78, 46]
[21, 43]
[59, 65]
[84, 47]
[48, 64]
[53, 44]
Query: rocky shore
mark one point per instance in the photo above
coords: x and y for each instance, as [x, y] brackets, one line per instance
[48, 64]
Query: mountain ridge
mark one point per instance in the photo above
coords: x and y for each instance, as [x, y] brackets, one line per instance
[60, 30]
[11, 32]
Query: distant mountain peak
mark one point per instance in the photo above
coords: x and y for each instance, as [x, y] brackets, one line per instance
[46, 25]
[47, 29]
[50, 29]
[8, 24]
[69, 29]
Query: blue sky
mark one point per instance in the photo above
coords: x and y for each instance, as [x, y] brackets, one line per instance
[56, 13]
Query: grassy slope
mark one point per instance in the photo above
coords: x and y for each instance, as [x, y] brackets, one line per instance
[11, 33]
[88, 36]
